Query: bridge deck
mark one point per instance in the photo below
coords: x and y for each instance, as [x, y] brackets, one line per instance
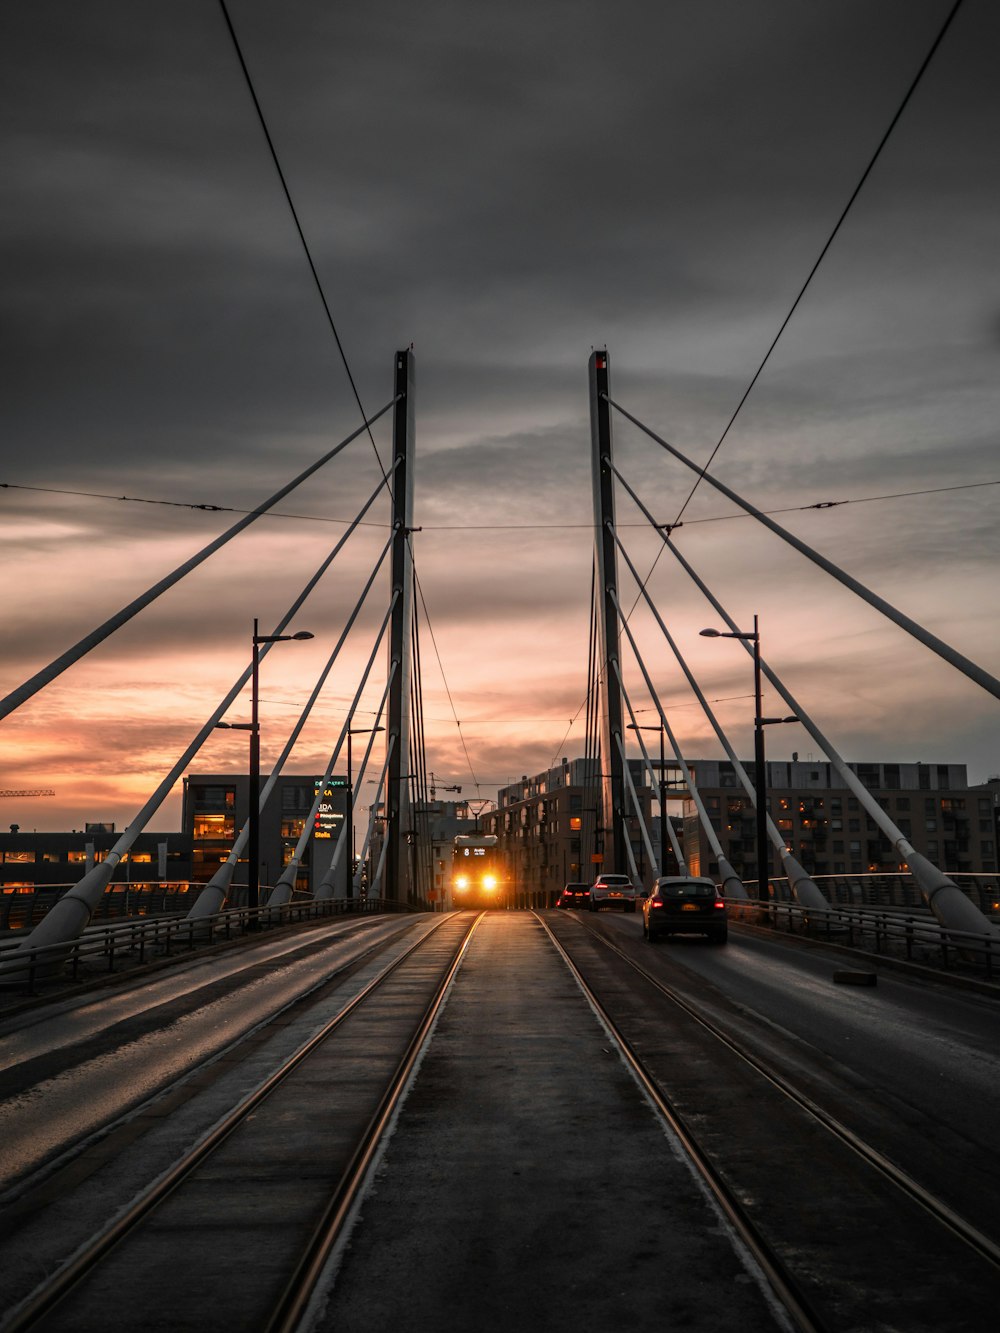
[528, 1183]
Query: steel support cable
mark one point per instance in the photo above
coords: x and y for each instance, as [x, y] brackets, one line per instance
[298, 224]
[322, 678]
[288, 873]
[413, 766]
[591, 776]
[954, 658]
[930, 879]
[636, 806]
[710, 832]
[69, 916]
[345, 838]
[671, 834]
[444, 679]
[423, 821]
[371, 821]
[776, 838]
[703, 471]
[55, 668]
[372, 813]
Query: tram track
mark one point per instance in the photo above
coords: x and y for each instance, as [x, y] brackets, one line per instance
[411, 989]
[733, 1174]
[98, 1041]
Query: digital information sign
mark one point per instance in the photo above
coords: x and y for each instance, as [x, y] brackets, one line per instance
[328, 817]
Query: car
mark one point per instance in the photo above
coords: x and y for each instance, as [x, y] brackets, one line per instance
[685, 905]
[613, 891]
[574, 895]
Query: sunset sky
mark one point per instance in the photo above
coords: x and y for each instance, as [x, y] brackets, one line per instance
[505, 187]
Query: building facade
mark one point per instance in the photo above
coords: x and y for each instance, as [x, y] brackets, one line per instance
[549, 834]
[216, 806]
[30, 860]
[952, 824]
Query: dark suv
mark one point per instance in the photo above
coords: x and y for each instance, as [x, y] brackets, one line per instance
[574, 895]
[680, 905]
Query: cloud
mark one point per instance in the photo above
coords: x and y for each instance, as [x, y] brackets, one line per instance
[505, 188]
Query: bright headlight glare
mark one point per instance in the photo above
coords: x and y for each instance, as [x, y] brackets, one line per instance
[489, 882]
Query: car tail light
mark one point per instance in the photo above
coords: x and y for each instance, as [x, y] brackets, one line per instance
[720, 902]
[656, 903]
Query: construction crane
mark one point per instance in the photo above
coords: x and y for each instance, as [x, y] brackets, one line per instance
[33, 791]
[434, 788]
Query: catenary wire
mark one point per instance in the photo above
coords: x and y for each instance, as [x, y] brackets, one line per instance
[491, 527]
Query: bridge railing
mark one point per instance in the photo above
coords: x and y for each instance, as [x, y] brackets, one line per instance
[114, 946]
[23, 907]
[898, 889]
[885, 931]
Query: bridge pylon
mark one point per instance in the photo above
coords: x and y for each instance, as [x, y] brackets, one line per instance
[612, 771]
[397, 797]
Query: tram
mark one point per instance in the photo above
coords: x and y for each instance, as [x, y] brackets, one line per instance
[476, 876]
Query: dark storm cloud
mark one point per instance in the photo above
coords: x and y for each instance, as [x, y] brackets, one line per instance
[506, 187]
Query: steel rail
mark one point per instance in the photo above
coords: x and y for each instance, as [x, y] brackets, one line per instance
[935, 1207]
[303, 1282]
[782, 1283]
[43, 1300]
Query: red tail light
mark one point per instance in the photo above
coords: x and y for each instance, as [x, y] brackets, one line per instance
[720, 902]
[656, 903]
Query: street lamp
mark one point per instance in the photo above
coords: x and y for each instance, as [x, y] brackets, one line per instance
[632, 726]
[760, 774]
[253, 726]
[354, 731]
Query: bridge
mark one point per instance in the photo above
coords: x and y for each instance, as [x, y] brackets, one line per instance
[286, 1103]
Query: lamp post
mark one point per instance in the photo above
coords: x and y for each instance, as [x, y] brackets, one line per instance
[632, 726]
[760, 772]
[353, 731]
[253, 726]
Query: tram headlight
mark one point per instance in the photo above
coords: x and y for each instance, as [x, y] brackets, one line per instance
[462, 882]
[489, 881]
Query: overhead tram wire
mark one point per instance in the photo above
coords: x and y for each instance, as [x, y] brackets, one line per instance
[80, 649]
[298, 224]
[822, 254]
[209, 508]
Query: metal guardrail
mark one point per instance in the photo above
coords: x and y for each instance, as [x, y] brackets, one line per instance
[22, 910]
[140, 938]
[893, 889]
[888, 932]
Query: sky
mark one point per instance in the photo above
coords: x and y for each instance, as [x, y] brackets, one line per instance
[505, 188]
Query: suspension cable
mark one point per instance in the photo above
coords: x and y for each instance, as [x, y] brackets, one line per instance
[295, 219]
[703, 471]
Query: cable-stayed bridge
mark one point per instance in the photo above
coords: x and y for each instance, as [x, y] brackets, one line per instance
[615, 661]
[291, 1110]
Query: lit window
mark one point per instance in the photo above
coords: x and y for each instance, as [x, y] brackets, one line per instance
[214, 827]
